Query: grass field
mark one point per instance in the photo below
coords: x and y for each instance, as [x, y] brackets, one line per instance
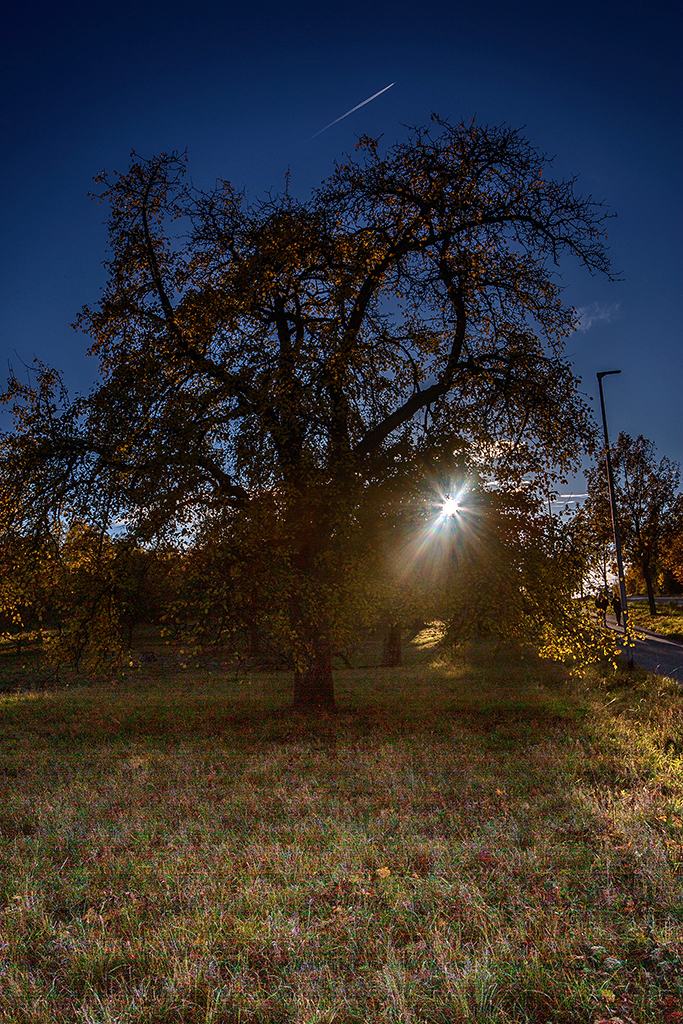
[668, 621]
[486, 841]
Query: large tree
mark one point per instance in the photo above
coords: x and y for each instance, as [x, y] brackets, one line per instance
[648, 504]
[300, 355]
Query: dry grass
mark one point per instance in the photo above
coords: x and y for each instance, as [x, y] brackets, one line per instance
[668, 621]
[487, 841]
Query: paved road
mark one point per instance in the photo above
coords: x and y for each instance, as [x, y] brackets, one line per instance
[657, 654]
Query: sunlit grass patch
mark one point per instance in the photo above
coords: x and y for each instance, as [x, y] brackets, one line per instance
[479, 841]
[668, 621]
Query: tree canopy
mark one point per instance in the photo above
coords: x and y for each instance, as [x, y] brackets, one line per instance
[290, 362]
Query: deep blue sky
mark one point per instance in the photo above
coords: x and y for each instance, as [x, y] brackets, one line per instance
[245, 85]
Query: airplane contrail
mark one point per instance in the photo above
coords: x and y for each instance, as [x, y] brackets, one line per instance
[357, 107]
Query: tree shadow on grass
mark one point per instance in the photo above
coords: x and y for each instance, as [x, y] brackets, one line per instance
[485, 689]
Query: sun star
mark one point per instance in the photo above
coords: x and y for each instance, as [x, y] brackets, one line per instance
[450, 507]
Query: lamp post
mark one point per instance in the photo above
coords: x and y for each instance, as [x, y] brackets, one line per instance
[615, 522]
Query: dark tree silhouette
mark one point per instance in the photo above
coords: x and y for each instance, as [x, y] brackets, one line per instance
[308, 350]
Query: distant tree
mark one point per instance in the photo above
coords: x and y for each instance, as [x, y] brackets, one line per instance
[61, 589]
[648, 504]
[672, 550]
[306, 351]
[27, 580]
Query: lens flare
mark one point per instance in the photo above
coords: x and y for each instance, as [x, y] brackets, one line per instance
[450, 507]
[449, 526]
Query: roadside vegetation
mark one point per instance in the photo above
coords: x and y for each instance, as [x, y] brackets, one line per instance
[669, 621]
[485, 839]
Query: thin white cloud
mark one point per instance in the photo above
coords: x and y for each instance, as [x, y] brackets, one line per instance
[597, 312]
[353, 109]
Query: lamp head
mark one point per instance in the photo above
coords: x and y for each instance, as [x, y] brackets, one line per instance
[606, 373]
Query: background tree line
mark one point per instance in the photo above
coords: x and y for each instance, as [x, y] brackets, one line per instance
[500, 567]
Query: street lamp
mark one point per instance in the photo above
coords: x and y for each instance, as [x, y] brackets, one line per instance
[615, 523]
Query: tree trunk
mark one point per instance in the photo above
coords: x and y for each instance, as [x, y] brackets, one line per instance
[254, 634]
[650, 590]
[391, 654]
[312, 528]
[314, 685]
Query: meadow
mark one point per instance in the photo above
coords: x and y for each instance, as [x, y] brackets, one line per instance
[486, 840]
